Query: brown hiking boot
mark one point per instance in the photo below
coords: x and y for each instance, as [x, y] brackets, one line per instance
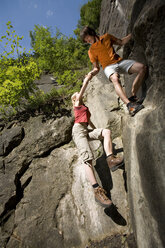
[100, 197]
[114, 162]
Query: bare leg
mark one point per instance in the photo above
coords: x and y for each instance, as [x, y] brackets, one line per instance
[141, 70]
[106, 133]
[90, 172]
[118, 88]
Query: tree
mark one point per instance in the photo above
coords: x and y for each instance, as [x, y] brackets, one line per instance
[17, 71]
[90, 14]
[66, 57]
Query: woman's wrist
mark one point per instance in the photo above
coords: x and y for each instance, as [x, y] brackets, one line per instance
[90, 74]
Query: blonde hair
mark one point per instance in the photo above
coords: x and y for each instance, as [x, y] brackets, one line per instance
[73, 98]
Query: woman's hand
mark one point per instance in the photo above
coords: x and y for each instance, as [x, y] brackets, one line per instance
[87, 78]
[92, 73]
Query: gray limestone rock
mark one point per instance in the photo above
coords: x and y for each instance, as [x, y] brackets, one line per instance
[40, 138]
[58, 206]
[9, 139]
[45, 198]
[104, 104]
[143, 135]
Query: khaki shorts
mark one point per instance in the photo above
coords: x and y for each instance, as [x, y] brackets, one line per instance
[81, 136]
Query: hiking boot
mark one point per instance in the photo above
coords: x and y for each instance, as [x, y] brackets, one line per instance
[101, 198]
[134, 107]
[136, 99]
[114, 162]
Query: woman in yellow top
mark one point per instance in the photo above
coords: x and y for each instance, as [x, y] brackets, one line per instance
[102, 52]
[82, 135]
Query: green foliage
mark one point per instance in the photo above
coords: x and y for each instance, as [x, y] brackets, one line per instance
[57, 53]
[11, 43]
[16, 82]
[42, 44]
[65, 56]
[17, 75]
[54, 102]
[90, 15]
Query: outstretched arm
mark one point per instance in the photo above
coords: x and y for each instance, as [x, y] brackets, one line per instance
[96, 69]
[84, 86]
[89, 76]
[123, 41]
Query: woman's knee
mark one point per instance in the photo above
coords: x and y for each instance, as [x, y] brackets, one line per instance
[89, 163]
[106, 133]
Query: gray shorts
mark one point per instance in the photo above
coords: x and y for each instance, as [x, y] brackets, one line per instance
[121, 67]
[82, 136]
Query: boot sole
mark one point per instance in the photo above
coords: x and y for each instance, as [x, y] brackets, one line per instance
[117, 166]
[136, 110]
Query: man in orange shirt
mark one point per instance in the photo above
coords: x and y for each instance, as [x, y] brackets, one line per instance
[102, 52]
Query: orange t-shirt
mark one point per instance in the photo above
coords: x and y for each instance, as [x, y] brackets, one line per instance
[103, 51]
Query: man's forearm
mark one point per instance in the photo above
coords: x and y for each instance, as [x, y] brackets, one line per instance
[126, 39]
[94, 71]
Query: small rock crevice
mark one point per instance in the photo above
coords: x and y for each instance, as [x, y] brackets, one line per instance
[16, 198]
[48, 152]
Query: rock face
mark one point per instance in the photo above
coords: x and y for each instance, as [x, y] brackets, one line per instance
[46, 200]
[40, 138]
[46, 83]
[115, 16]
[143, 135]
[10, 139]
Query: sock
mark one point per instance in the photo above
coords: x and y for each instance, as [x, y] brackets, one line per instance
[109, 155]
[132, 98]
[96, 185]
[128, 104]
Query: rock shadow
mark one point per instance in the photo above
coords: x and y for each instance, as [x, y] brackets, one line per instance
[114, 214]
[115, 152]
[104, 174]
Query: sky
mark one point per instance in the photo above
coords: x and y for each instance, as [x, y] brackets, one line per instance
[24, 14]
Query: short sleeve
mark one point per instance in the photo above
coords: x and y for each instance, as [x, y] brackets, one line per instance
[111, 38]
[92, 57]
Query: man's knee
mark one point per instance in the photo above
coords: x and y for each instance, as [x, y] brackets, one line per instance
[138, 68]
[143, 69]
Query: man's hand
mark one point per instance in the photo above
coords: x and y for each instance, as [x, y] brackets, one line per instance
[123, 41]
[126, 39]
